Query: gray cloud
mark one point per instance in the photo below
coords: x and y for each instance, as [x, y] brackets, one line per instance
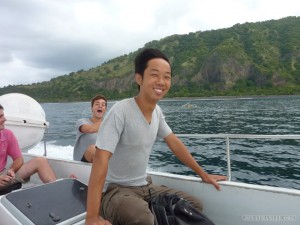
[43, 39]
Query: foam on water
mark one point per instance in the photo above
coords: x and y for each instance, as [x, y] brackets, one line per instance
[53, 150]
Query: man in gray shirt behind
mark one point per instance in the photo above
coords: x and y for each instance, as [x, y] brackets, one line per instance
[87, 129]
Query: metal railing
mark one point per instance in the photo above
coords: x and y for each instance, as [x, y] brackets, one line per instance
[47, 133]
[227, 138]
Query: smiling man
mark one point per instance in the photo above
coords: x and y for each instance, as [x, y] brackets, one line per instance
[87, 129]
[124, 144]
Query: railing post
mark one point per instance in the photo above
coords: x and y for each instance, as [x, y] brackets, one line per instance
[45, 148]
[228, 159]
[45, 142]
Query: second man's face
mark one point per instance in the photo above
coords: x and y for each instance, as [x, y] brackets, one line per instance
[99, 108]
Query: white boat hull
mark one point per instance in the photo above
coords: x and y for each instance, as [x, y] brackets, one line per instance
[239, 203]
[235, 204]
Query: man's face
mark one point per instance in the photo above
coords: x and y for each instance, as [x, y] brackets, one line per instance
[2, 119]
[156, 81]
[99, 108]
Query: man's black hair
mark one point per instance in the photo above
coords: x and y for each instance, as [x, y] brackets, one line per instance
[144, 56]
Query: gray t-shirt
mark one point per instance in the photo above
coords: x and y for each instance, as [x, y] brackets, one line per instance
[126, 133]
[83, 140]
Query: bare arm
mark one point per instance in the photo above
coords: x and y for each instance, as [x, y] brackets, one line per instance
[183, 154]
[90, 128]
[96, 183]
[15, 166]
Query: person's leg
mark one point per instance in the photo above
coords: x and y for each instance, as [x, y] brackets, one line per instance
[126, 206]
[89, 153]
[39, 165]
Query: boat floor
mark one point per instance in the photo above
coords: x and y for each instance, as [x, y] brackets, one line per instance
[59, 202]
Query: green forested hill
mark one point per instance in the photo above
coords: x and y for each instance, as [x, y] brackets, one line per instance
[247, 59]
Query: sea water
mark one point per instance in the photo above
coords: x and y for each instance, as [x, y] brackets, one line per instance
[268, 162]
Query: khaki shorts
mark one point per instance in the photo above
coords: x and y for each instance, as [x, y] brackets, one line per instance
[122, 204]
[17, 179]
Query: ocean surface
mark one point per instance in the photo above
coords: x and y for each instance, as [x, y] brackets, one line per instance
[256, 161]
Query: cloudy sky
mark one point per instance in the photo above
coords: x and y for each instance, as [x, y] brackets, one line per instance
[42, 39]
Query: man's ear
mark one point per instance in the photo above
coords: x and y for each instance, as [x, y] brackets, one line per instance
[138, 78]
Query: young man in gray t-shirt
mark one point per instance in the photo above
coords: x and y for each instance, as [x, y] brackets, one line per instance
[124, 143]
[87, 128]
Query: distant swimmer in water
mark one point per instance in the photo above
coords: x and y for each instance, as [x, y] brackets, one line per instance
[189, 105]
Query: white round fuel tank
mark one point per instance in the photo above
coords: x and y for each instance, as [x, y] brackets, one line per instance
[25, 117]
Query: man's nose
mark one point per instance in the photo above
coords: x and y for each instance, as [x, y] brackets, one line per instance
[160, 80]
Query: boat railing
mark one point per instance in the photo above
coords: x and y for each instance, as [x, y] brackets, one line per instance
[227, 138]
[49, 134]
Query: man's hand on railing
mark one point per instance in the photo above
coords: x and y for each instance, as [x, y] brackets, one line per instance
[213, 179]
